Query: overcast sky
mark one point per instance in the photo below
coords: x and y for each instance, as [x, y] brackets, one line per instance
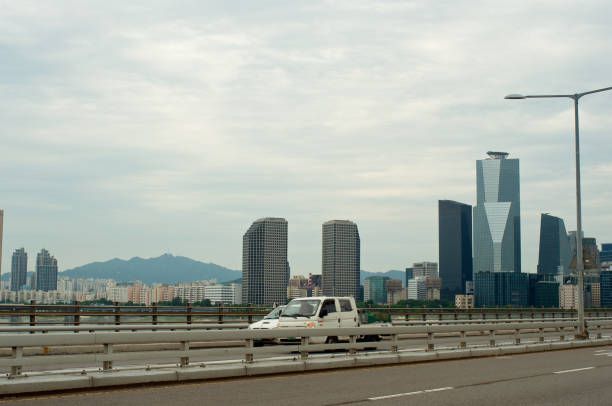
[144, 127]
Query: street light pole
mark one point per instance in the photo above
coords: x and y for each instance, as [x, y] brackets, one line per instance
[582, 330]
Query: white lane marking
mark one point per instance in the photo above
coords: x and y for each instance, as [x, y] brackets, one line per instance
[573, 370]
[397, 395]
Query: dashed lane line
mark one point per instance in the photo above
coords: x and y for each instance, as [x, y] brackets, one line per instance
[418, 392]
[573, 370]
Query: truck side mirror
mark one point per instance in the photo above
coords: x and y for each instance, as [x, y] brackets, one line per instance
[323, 312]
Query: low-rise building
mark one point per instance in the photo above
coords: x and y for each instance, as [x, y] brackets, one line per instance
[568, 296]
[464, 301]
[228, 294]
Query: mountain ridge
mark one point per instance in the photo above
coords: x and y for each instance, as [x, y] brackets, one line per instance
[166, 268]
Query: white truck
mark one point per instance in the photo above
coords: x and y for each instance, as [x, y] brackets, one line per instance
[322, 312]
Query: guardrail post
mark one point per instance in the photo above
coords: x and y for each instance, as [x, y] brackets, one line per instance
[32, 314]
[353, 343]
[107, 365]
[303, 352]
[248, 356]
[517, 336]
[541, 336]
[17, 353]
[394, 343]
[117, 315]
[154, 310]
[220, 305]
[430, 343]
[492, 338]
[249, 313]
[188, 313]
[77, 314]
[184, 359]
[462, 343]
[598, 331]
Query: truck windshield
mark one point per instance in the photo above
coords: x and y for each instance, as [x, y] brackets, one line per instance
[274, 314]
[305, 308]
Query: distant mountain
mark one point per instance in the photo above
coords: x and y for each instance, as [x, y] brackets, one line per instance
[393, 274]
[164, 269]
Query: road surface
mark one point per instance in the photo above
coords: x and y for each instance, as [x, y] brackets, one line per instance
[569, 377]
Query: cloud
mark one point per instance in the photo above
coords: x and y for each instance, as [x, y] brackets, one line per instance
[137, 128]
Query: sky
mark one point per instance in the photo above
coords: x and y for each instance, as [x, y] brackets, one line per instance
[148, 127]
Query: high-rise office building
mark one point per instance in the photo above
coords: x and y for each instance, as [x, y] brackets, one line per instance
[591, 252]
[264, 262]
[493, 289]
[605, 256]
[416, 288]
[425, 269]
[46, 271]
[19, 269]
[555, 253]
[497, 221]
[375, 289]
[409, 275]
[606, 289]
[455, 247]
[341, 258]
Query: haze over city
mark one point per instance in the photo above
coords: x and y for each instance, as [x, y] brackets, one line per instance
[135, 129]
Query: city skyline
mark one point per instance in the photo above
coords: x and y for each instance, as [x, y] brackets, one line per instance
[122, 138]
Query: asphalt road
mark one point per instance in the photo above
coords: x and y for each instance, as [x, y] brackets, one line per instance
[569, 377]
[280, 351]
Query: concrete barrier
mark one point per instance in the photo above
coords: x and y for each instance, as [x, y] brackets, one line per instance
[48, 383]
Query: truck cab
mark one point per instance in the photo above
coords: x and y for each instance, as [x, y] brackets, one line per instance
[320, 312]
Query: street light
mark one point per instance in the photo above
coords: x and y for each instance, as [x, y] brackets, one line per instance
[582, 331]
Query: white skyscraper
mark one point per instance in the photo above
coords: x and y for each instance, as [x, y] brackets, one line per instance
[497, 222]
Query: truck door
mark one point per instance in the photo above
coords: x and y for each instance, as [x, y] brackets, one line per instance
[332, 318]
[348, 315]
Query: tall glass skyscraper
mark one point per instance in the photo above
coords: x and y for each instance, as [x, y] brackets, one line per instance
[265, 270]
[454, 247]
[19, 269]
[374, 289]
[46, 271]
[605, 256]
[497, 221]
[341, 259]
[555, 252]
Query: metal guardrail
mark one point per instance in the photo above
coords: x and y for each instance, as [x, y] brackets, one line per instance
[123, 327]
[77, 314]
[17, 342]
[397, 322]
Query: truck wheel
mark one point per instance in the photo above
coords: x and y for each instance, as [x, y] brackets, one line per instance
[331, 340]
